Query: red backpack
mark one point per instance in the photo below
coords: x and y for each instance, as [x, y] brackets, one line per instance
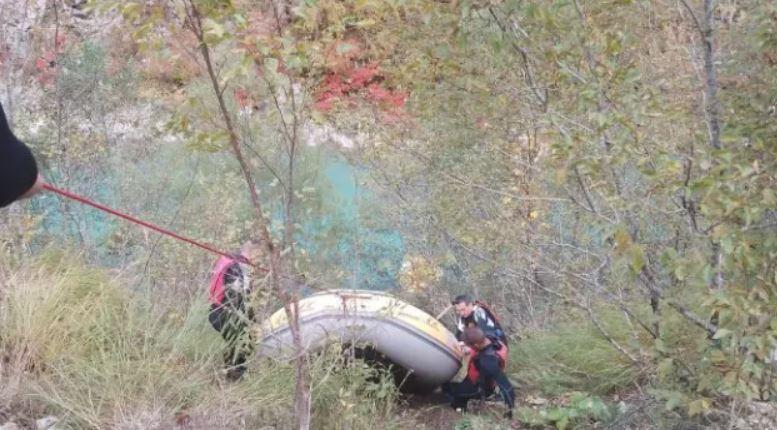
[495, 318]
[490, 313]
[473, 374]
[216, 291]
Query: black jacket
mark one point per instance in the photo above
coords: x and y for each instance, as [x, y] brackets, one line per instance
[491, 374]
[18, 170]
[481, 318]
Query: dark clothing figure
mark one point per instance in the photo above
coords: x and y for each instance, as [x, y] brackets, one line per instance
[491, 375]
[18, 171]
[231, 317]
[484, 376]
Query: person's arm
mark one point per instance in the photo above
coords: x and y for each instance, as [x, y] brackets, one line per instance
[36, 187]
[18, 171]
[217, 317]
[459, 332]
[490, 371]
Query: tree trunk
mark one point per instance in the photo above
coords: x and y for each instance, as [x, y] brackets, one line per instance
[287, 293]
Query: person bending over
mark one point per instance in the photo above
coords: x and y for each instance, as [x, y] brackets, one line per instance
[484, 375]
[470, 313]
[474, 314]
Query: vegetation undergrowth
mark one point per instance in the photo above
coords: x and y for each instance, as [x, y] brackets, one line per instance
[75, 344]
[572, 357]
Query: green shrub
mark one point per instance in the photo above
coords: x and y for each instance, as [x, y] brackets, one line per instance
[350, 394]
[573, 357]
[581, 410]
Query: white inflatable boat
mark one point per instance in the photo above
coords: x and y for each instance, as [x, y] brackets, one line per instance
[404, 334]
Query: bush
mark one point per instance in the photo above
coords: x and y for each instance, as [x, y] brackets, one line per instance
[573, 357]
[582, 410]
[351, 393]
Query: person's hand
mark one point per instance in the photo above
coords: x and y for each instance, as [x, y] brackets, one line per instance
[36, 187]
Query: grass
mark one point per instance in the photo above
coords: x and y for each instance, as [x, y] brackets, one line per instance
[98, 354]
[573, 356]
[80, 346]
[573, 360]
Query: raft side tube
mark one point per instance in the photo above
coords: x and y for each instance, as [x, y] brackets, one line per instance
[406, 335]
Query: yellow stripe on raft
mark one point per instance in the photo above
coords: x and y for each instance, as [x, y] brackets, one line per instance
[405, 335]
[353, 302]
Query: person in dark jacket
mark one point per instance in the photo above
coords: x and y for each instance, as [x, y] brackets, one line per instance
[484, 376]
[19, 176]
[471, 314]
[229, 313]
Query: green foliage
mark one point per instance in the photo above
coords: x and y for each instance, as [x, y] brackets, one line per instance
[354, 394]
[573, 357]
[553, 157]
[480, 422]
[583, 410]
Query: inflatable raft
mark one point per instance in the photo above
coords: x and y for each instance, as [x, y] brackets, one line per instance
[403, 334]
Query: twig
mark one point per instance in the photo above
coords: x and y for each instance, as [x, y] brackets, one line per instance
[584, 190]
[607, 336]
[444, 312]
[682, 310]
[696, 22]
[543, 99]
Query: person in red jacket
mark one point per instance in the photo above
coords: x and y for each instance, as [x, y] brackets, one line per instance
[230, 314]
[472, 313]
[19, 177]
[484, 375]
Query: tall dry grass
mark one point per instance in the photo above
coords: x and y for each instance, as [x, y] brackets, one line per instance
[81, 346]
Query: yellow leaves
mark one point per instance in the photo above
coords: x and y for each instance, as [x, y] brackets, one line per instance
[622, 239]
[131, 10]
[213, 31]
[699, 406]
[418, 274]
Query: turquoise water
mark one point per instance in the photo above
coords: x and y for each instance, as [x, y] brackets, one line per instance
[336, 235]
[370, 256]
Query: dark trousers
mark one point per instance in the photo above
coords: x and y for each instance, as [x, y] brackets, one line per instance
[233, 329]
[460, 393]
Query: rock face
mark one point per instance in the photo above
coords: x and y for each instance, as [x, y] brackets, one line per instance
[10, 425]
[31, 34]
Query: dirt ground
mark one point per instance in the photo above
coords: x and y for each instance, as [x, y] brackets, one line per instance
[432, 411]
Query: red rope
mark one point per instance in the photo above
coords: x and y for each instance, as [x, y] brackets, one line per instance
[158, 229]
